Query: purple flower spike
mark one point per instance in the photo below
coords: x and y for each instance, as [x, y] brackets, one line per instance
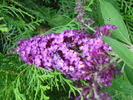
[76, 55]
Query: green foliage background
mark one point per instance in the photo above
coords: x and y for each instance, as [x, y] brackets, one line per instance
[25, 19]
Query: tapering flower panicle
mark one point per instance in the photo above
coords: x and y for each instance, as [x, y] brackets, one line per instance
[80, 11]
[72, 52]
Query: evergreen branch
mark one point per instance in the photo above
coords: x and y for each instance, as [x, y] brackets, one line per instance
[9, 72]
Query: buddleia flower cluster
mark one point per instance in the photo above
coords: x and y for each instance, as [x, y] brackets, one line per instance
[76, 54]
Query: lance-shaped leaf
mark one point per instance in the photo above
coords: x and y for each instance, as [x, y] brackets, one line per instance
[111, 16]
[129, 73]
[122, 86]
[123, 52]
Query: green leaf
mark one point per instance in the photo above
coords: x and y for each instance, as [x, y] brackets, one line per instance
[123, 52]
[129, 73]
[114, 3]
[122, 86]
[111, 16]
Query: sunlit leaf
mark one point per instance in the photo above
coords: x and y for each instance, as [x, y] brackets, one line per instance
[123, 52]
[111, 16]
